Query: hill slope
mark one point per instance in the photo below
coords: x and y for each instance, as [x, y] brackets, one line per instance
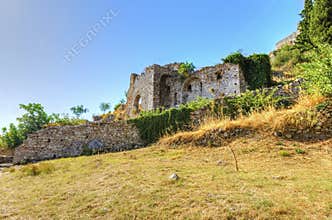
[270, 183]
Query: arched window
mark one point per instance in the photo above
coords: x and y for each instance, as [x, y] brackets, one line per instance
[137, 103]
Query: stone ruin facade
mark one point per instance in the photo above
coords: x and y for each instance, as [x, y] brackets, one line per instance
[157, 87]
[163, 87]
[289, 40]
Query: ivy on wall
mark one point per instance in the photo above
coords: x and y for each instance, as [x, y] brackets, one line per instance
[256, 68]
[153, 125]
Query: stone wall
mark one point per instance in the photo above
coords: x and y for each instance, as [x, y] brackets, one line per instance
[70, 141]
[5, 159]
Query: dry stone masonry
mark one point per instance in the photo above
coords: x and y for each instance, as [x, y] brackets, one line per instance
[70, 141]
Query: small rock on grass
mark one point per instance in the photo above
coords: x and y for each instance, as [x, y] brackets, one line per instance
[174, 176]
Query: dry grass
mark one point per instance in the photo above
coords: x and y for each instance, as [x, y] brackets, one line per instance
[267, 121]
[6, 151]
[278, 179]
[135, 185]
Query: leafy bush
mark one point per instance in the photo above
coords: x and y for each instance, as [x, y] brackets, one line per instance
[154, 124]
[317, 72]
[259, 73]
[11, 137]
[236, 58]
[186, 69]
[256, 68]
[248, 102]
[33, 120]
[63, 120]
[286, 58]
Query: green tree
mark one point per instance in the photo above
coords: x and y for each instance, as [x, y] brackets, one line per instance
[186, 69]
[79, 110]
[12, 137]
[105, 106]
[33, 120]
[303, 41]
[321, 22]
[317, 72]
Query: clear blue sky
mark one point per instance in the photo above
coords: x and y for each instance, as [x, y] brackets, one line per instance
[36, 35]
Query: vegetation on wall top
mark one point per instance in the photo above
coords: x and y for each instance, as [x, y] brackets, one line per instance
[256, 68]
[33, 120]
[154, 124]
[186, 69]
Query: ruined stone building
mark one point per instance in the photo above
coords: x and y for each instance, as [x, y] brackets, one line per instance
[162, 86]
[289, 40]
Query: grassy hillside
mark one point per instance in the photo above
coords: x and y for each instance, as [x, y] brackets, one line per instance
[135, 184]
[278, 178]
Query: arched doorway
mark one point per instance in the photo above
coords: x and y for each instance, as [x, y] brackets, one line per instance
[165, 91]
[192, 89]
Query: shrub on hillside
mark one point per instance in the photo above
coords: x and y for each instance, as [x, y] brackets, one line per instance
[155, 124]
[256, 68]
[63, 120]
[11, 137]
[286, 58]
[252, 101]
[33, 120]
[317, 72]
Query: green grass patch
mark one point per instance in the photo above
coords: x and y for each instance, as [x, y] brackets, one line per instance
[284, 153]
